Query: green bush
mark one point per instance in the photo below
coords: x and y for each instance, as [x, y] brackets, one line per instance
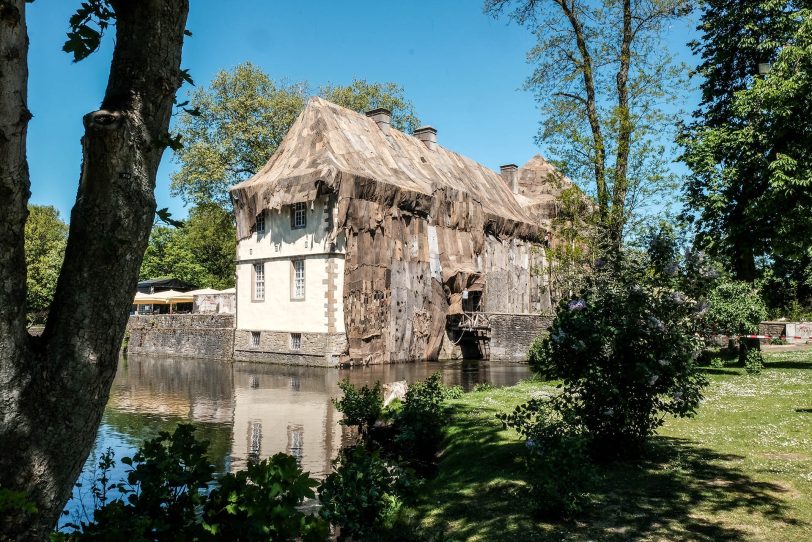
[166, 497]
[361, 407]
[626, 353]
[735, 308]
[262, 503]
[557, 461]
[753, 362]
[419, 423]
[363, 493]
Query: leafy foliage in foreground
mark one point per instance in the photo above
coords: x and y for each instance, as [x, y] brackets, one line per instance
[364, 493]
[167, 488]
[361, 407]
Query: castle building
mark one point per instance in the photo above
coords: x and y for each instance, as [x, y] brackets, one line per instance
[358, 243]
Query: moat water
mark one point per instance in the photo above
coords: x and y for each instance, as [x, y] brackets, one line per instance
[247, 409]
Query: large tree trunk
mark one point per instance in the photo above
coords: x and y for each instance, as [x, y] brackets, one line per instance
[54, 388]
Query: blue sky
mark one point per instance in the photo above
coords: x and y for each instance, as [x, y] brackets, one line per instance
[462, 70]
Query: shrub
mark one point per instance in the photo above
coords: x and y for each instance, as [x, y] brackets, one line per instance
[361, 407]
[557, 461]
[166, 497]
[453, 392]
[361, 495]
[735, 309]
[626, 355]
[753, 362]
[419, 423]
[262, 503]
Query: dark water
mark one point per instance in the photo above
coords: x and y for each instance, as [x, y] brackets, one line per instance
[247, 408]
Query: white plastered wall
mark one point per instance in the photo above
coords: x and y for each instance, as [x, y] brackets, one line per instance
[275, 250]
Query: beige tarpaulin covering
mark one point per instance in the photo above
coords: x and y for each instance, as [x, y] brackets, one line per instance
[421, 224]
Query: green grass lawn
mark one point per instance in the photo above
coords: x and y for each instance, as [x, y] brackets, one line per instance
[740, 470]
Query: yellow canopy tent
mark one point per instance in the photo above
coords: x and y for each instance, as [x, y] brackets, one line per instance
[148, 299]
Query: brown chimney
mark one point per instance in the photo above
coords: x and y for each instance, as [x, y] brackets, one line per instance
[428, 135]
[510, 174]
[382, 117]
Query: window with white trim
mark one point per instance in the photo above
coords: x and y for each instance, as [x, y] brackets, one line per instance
[299, 217]
[259, 282]
[295, 341]
[261, 222]
[255, 338]
[298, 279]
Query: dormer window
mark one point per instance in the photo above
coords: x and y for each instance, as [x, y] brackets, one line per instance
[298, 215]
[261, 222]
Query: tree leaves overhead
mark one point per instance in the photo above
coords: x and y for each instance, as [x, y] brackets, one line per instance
[602, 77]
[87, 26]
[750, 147]
[232, 127]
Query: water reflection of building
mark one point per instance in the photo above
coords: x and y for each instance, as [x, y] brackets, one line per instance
[285, 409]
[193, 389]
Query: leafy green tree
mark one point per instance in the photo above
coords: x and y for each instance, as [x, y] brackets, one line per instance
[750, 147]
[601, 76]
[233, 126]
[200, 251]
[211, 237]
[45, 239]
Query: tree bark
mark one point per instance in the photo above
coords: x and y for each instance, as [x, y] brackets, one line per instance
[54, 387]
[620, 184]
[587, 72]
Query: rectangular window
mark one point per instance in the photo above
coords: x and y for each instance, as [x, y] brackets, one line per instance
[298, 279]
[295, 341]
[261, 222]
[298, 215]
[255, 338]
[259, 282]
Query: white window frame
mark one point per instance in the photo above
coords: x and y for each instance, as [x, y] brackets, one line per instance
[259, 282]
[299, 215]
[261, 222]
[297, 287]
[295, 341]
[255, 338]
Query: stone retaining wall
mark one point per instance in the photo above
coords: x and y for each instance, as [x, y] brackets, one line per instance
[319, 349]
[188, 335]
[512, 334]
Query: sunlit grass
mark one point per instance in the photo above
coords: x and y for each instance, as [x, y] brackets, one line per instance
[740, 470]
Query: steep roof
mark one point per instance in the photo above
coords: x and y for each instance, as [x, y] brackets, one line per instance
[328, 144]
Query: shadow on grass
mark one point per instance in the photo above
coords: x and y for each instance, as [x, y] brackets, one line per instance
[679, 492]
[720, 371]
[788, 365]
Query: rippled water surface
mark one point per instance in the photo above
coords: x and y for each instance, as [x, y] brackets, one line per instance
[248, 408]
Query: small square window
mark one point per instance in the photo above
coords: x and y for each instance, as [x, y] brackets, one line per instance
[298, 216]
[261, 222]
[255, 338]
[295, 341]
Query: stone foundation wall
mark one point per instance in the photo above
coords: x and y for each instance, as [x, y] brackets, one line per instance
[187, 335]
[512, 334]
[319, 349]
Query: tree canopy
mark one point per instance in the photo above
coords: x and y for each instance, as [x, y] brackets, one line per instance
[234, 125]
[750, 145]
[601, 76]
[200, 251]
[45, 239]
